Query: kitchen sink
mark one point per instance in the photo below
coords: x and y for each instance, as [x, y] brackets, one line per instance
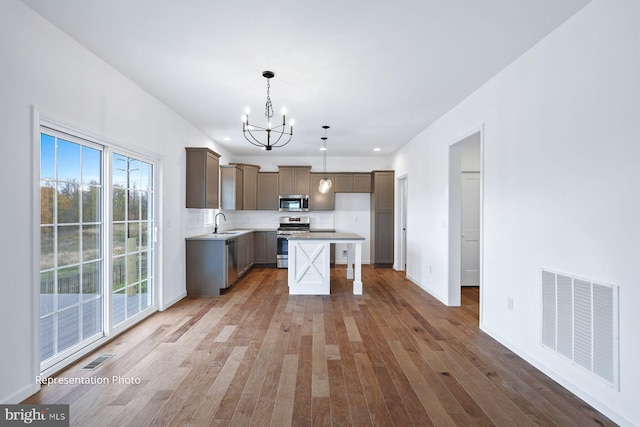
[225, 233]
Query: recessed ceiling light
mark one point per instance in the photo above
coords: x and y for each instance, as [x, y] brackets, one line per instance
[226, 138]
[323, 148]
[376, 149]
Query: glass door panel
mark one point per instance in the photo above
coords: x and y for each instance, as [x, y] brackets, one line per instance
[132, 247]
[71, 230]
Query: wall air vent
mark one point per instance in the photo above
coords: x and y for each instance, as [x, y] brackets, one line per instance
[580, 322]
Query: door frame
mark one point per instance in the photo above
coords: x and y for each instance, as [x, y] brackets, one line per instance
[402, 190]
[454, 216]
[39, 118]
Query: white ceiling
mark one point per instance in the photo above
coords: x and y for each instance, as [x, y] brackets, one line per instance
[377, 72]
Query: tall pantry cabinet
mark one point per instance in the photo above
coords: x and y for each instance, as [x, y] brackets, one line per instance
[382, 186]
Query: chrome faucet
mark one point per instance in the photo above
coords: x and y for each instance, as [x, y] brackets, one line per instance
[215, 221]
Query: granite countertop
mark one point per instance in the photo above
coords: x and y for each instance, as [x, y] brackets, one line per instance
[325, 236]
[226, 235]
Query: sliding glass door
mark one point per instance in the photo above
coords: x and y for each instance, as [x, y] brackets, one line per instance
[96, 242]
[71, 236]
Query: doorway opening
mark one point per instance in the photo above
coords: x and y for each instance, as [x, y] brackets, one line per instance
[465, 216]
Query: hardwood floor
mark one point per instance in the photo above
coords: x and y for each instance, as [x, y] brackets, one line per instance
[257, 356]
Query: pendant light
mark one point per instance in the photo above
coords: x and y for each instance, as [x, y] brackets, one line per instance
[325, 183]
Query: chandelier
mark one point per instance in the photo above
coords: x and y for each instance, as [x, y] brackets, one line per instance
[280, 131]
[325, 183]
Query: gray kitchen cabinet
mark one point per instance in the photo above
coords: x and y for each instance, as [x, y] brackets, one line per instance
[382, 200]
[239, 186]
[265, 248]
[353, 182]
[245, 253]
[362, 183]
[202, 178]
[317, 200]
[206, 265]
[293, 179]
[249, 185]
[232, 187]
[267, 191]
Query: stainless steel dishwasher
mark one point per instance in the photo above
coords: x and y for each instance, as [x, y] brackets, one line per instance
[232, 261]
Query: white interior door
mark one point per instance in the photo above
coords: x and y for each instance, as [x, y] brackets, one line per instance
[470, 244]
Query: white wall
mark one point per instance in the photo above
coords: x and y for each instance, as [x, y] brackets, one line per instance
[560, 176]
[42, 66]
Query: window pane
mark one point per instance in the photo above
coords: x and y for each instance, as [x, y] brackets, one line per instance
[68, 327]
[133, 239]
[91, 281]
[133, 268]
[68, 287]
[91, 165]
[119, 273]
[134, 205]
[47, 292]
[119, 204]
[144, 236]
[134, 174]
[68, 244]
[144, 268]
[90, 242]
[144, 205]
[90, 204]
[146, 179]
[68, 161]
[47, 258]
[118, 238]
[120, 167]
[68, 202]
[47, 157]
[47, 202]
[46, 337]
[91, 318]
[117, 306]
[133, 300]
[145, 296]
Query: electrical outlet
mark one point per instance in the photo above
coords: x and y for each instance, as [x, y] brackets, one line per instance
[510, 303]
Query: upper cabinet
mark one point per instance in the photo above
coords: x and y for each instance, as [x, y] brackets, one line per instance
[293, 179]
[202, 178]
[267, 189]
[317, 200]
[239, 186]
[350, 182]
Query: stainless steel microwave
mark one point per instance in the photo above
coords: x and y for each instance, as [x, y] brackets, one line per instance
[294, 203]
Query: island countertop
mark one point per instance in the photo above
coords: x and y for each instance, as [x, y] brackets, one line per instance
[325, 236]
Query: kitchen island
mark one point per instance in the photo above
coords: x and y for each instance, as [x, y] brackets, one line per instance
[309, 259]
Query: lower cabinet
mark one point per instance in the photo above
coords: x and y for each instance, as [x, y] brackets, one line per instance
[265, 248]
[214, 264]
[206, 267]
[245, 253]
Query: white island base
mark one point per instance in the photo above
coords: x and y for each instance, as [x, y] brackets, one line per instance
[309, 262]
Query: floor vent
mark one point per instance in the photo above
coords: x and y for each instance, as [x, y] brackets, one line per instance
[99, 361]
[580, 322]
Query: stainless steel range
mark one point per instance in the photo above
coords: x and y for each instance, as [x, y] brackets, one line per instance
[289, 225]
